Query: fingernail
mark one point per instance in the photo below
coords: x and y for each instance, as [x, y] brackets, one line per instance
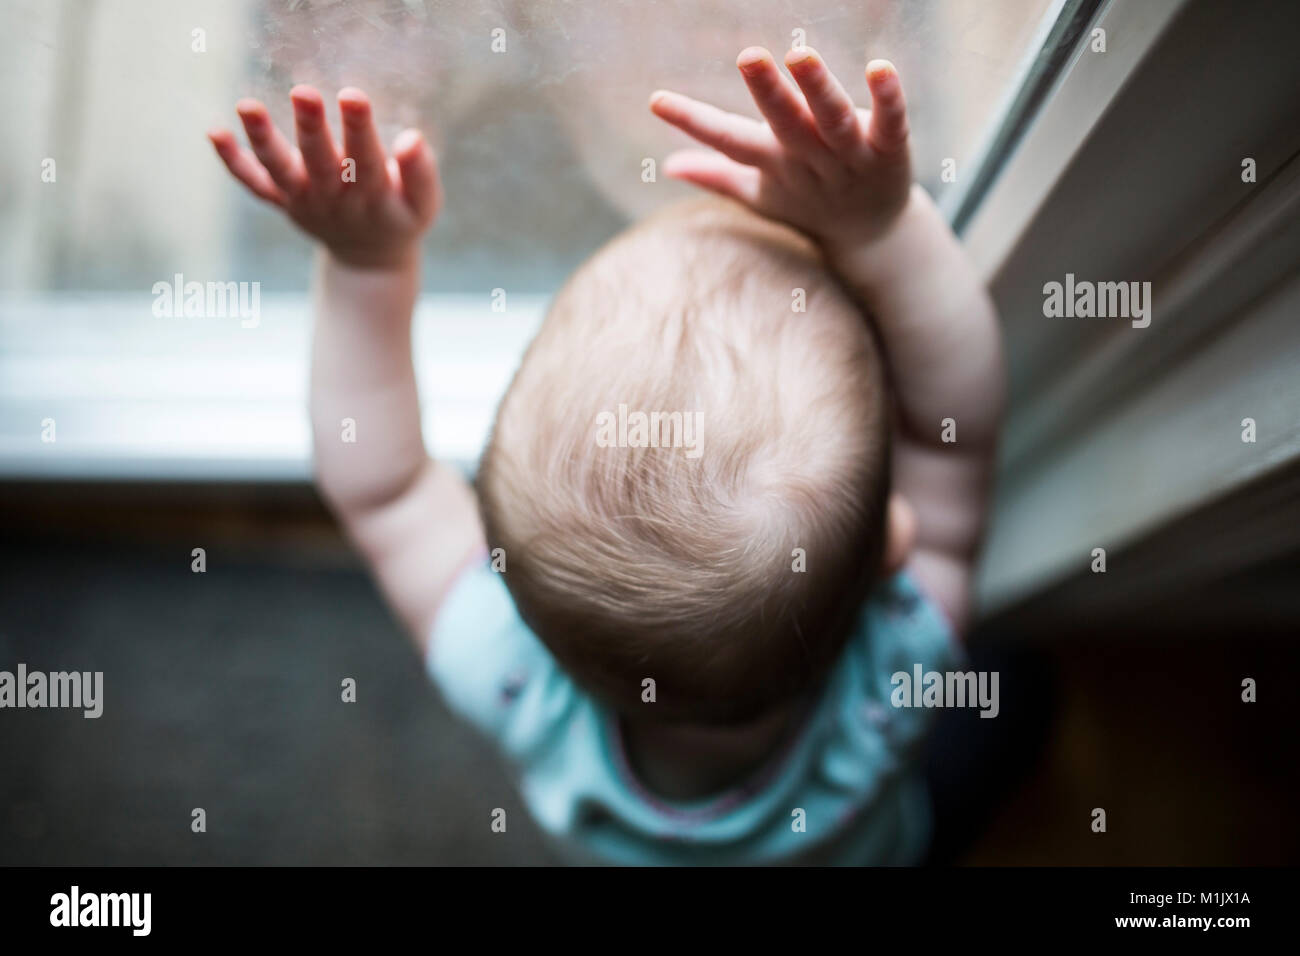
[749, 58]
[879, 71]
[406, 139]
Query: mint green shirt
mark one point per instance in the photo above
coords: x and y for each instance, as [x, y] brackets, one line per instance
[846, 790]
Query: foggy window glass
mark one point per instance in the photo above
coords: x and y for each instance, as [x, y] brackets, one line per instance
[541, 145]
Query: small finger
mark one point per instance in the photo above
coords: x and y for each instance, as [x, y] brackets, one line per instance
[314, 141]
[361, 140]
[716, 173]
[778, 100]
[272, 149]
[243, 165]
[832, 108]
[887, 132]
[419, 173]
[745, 140]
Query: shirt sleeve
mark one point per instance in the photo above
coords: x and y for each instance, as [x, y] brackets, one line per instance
[904, 632]
[492, 670]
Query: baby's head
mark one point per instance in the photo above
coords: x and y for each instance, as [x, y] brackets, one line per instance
[689, 473]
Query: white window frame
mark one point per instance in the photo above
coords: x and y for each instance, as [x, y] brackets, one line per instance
[1129, 440]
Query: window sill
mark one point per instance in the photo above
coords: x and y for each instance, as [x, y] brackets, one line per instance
[134, 397]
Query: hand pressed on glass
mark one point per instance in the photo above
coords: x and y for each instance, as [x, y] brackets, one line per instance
[367, 207]
[837, 172]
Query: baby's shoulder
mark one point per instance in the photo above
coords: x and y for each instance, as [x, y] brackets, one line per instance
[490, 668]
[900, 630]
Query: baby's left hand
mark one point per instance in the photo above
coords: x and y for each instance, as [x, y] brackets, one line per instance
[838, 173]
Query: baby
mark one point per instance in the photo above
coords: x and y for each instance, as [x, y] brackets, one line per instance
[736, 484]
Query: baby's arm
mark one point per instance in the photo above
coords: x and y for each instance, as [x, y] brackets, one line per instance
[843, 175]
[414, 519]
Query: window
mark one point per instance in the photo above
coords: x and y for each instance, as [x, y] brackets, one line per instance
[541, 144]
[541, 147]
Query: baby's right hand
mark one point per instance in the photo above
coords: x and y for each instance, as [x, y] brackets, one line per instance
[367, 208]
[839, 173]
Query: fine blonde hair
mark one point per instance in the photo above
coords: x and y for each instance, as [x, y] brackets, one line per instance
[636, 563]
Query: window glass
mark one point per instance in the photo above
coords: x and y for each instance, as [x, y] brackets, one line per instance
[542, 143]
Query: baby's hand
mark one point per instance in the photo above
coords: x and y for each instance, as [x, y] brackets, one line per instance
[839, 173]
[368, 209]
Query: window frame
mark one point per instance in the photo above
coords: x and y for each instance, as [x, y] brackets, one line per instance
[1085, 460]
